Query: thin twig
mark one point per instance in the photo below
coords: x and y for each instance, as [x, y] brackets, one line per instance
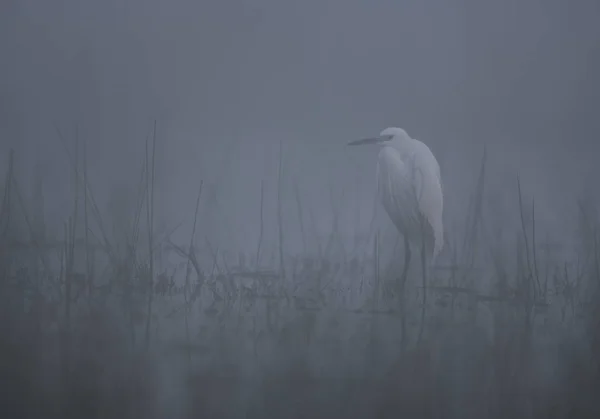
[300, 217]
[150, 218]
[261, 216]
[88, 269]
[187, 274]
[279, 211]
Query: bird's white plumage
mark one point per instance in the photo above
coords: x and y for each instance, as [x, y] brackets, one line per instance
[410, 188]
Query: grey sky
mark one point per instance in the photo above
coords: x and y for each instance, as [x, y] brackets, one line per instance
[239, 76]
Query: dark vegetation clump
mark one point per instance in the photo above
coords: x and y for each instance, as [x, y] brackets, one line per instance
[146, 328]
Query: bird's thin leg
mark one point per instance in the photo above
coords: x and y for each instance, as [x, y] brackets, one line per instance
[424, 279]
[401, 295]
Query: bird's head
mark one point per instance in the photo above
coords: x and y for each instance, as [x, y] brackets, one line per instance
[386, 136]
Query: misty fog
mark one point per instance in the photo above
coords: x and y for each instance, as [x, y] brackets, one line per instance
[232, 85]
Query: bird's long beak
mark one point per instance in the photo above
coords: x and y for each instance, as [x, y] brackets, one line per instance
[372, 140]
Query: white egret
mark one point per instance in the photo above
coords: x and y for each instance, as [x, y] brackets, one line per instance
[410, 188]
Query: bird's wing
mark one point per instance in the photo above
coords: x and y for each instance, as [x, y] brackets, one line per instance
[428, 188]
[411, 193]
[395, 187]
